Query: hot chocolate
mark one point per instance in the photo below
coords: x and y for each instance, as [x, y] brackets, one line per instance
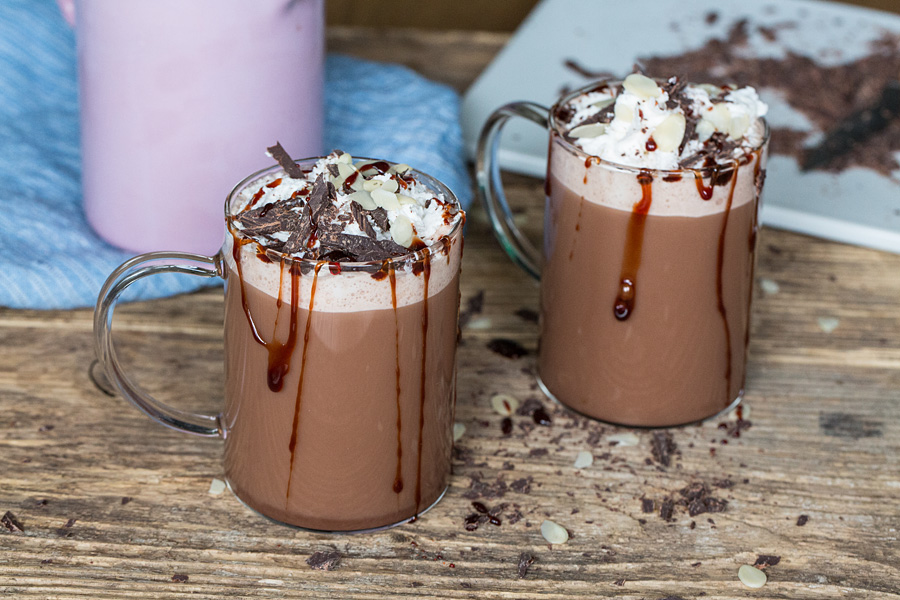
[342, 295]
[652, 195]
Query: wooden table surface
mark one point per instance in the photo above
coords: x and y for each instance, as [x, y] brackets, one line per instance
[113, 506]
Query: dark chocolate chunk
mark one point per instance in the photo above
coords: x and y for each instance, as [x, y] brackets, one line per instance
[646, 505]
[180, 578]
[284, 159]
[525, 561]
[12, 523]
[506, 426]
[541, 417]
[324, 561]
[333, 169]
[507, 348]
[766, 560]
[269, 219]
[802, 520]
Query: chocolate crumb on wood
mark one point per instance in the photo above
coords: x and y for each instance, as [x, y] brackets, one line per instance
[180, 578]
[525, 561]
[663, 447]
[507, 348]
[324, 561]
[12, 523]
[766, 560]
[802, 520]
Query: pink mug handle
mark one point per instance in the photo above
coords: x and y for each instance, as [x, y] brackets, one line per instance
[67, 8]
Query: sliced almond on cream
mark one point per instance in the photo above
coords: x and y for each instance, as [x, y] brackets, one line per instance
[624, 112]
[705, 129]
[739, 126]
[401, 230]
[669, 133]
[720, 117]
[588, 131]
[345, 158]
[641, 86]
[364, 199]
[601, 104]
[385, 199]
[404, 199]
[400, 168]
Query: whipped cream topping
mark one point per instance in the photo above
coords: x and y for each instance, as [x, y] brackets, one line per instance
[664, 125]
[343, 210]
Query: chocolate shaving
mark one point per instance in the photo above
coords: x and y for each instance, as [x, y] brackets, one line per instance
[525, 561]
[359, 215]
[269, 219]
[284, 159]
[324, 561]
[333, 169]
[180, 578]
[379, 215]
[321, 197]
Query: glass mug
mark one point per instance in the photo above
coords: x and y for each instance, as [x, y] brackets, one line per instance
[340, 378]
[646, 277]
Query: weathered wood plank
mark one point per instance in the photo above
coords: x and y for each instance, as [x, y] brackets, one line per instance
[114, 506]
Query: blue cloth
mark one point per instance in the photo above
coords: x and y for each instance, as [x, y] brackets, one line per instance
[49, 256]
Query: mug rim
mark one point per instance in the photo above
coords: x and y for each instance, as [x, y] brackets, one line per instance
[440, 245]
[557, 129]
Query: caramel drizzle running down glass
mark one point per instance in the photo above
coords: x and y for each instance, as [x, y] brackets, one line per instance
[646, 275]
[340, 377]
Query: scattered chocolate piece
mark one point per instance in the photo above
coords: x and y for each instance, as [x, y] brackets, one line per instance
[525, 561]
[180, 578]
[707, 504]
[529, 406]
[324, 561]
[480, 507]
[619, 582]
[666, 508]
[802, 520]
[507, 348]
[12, 523]
[663, 447]
[126, 500]
[766, 560]
[522, 486]
[285, 161]
[48, 427]
[506, 426]
[646, 505]
[474, 306]
[541, 417]
[527, 314]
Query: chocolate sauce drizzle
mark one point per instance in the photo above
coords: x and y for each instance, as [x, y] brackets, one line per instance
[426, 271]
[398, 478]
[720, 263]
[292, 445]
[634, 242]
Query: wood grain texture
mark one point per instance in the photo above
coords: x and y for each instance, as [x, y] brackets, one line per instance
[115, 506]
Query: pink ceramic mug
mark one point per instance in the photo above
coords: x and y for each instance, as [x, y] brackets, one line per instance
[177, 97]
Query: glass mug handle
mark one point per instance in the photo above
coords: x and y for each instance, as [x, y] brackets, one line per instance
[120, 279]
[490, 187]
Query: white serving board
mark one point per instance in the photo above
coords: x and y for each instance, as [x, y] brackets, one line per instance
[857, 206]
